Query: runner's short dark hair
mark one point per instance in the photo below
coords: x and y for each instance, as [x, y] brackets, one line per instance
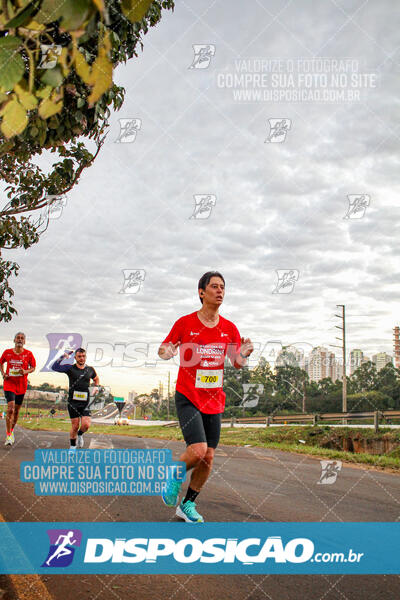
[80, 350]
[206, 278]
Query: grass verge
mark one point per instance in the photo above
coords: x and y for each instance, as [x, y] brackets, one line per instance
[314, 440]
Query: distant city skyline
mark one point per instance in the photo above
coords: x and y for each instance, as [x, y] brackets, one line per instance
[322, 362]
[325, 363]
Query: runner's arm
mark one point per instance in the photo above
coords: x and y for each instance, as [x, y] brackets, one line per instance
[57, 366]
[169, 347]
[28, 371]
[246, 348]
[32, 365]
[3, 359]
[239, 349]
[167, 351]
[95, 378]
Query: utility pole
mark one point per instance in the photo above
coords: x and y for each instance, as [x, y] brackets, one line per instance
[169, 381]
[343, 346]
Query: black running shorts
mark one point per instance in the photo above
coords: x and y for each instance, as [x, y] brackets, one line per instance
[13, 397]
[78, 409]
[197, 426]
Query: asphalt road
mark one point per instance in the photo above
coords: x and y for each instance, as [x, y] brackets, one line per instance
[247, 484]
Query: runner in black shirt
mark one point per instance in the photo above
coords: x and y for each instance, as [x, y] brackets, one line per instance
[79, 376]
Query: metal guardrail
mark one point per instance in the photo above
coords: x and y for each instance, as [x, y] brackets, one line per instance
[378, 416]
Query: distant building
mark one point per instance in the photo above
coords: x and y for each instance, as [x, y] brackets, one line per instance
[381, 359]
[44, 395]
[337, 370]
[131, 396]
[356, 360]
[321, 363]
[289, 357]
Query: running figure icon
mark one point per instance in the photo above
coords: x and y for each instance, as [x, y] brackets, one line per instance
[63, 345]
[62, 549]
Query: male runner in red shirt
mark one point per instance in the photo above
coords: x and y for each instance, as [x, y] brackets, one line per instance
[20, 362]
[204, 339]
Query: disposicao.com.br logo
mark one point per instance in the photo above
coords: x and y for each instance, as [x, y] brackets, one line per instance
[120, 547]
[247, 551]
[62, 547]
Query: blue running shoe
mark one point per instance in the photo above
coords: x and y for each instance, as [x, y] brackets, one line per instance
[187, 511]
[170, 494]
[72, 450]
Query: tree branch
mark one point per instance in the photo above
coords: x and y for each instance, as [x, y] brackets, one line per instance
[9, 211]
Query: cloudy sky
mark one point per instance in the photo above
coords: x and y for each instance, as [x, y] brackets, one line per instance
[279, 204]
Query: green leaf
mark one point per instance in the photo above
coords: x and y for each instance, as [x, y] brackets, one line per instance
[49, 11]
[44, 92]
[53, 123]
[48, 108]
[74, 13]
[53, 77]
[15, 118]
[6, 147]
[99, 4]
[135, 10]
[81, 67]
[101, 76]
[23, 17]
[42, 136]
[10, 42]
[28, 100]
[12, 66]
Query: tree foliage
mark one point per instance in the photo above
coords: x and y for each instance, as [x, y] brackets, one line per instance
[364, 379]
[283, 390]
[56, 93]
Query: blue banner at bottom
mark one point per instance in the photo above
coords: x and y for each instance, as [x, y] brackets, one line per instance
[212, 548]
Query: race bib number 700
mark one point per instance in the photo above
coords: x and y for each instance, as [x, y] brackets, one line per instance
[209, 378]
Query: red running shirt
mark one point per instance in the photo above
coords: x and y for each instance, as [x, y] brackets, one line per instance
[202, 354]
[25, 360]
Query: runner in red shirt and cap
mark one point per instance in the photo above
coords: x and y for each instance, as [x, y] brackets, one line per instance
[204, 339]
[20, 362]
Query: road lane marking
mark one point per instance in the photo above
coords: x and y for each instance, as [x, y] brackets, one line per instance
[100, 444]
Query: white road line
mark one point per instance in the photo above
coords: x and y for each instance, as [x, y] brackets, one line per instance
[100, 444]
